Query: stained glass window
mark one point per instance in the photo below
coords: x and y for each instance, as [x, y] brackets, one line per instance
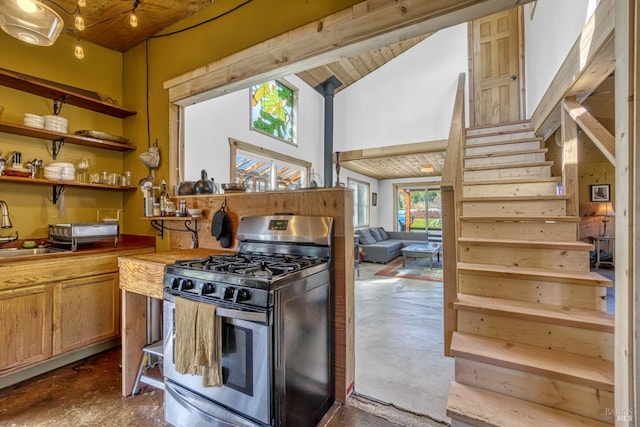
[273, 110]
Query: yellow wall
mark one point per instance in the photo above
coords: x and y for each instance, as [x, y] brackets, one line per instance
[123, 77]
[101, 70]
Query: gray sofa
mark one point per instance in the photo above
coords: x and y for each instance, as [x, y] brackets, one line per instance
[383, 246]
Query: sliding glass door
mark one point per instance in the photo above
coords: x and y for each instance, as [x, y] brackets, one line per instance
[418, 208]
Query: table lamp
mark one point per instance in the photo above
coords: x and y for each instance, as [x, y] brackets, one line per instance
[605, 210]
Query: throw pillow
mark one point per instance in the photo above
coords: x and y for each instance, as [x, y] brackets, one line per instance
[365, 237]
[383, 233]
[376, 234]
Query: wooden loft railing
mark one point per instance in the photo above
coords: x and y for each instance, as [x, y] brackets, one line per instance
[451, 188]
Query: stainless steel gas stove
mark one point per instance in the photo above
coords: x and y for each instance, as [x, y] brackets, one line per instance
[273, 296]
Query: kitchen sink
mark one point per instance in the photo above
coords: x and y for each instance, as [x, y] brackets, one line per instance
[18, 252]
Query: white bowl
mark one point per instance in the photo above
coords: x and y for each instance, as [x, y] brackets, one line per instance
[194, 212]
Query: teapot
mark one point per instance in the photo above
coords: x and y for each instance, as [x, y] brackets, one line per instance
[203, 186]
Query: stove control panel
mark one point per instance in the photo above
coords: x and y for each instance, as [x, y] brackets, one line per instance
[216, 291]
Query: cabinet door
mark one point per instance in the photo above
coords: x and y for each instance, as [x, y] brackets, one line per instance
[85, 311]
[25, 326]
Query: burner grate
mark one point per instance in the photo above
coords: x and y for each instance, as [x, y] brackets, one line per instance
[252, 264]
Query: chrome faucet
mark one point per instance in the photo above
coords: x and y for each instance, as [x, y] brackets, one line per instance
[6, 223]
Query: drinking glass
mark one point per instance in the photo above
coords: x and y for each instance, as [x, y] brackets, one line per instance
[83, 169]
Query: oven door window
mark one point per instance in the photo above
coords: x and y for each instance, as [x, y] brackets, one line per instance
[237, 357]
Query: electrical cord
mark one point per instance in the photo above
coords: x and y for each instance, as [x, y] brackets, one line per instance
[233, 9]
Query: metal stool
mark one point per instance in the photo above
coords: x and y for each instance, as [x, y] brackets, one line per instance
[149, 350]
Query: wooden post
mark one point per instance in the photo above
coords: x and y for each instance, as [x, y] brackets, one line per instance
[570, 162]
[627, 15]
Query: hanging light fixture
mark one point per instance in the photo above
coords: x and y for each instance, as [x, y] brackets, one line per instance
[82, 3]
[30, 21]
[79, 21]
[133, 19]
[78, 51]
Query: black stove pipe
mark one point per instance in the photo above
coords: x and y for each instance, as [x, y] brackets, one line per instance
[327, 89]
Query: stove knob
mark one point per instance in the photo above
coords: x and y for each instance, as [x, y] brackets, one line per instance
[207, 288]
[175, 283]
[228, 293]
[186, 284]
[243, 295]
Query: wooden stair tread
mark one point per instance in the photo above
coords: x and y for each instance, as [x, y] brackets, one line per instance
[479, 241]
[560, 365]
[505, 153]
[507, 181]
[514, 198]
[489, 409]
[524, 218]
[546, 313]
[529, 128]
[589, 279]
[507, 166]
[500, 142]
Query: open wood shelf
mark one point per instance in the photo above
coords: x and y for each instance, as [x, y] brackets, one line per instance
[41, 181]
[56, 91]
[86, 141]
[173, 218]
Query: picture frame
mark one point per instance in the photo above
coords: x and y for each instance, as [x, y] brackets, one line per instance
[374, 199]
[601, 193]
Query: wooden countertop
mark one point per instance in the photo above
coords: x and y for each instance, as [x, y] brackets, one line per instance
[144, 273]
[126, 242]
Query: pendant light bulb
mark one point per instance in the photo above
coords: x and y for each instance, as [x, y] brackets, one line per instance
[82, 3]
[27, 5]
[79, 22]
[78, 51]
[133, 19]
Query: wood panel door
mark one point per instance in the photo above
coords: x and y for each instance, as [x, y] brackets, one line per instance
[85, 311]
[25, 326]
[496, 69]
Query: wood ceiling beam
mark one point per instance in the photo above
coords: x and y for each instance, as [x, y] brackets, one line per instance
[394, 150]
[366, 26]
[601, 137]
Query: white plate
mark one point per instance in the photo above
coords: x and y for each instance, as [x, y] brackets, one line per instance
[55, 119]
[35, 125]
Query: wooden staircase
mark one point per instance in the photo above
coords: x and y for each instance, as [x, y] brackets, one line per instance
[533, 344]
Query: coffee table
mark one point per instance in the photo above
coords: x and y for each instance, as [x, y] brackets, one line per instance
[421, 250]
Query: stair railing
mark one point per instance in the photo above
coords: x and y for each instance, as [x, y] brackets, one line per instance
[451, 188]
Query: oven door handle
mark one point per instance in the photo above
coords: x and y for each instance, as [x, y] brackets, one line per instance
[251, 316]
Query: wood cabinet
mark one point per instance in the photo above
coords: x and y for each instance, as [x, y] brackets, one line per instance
[25, 326]
[85, 311]
[56, 310]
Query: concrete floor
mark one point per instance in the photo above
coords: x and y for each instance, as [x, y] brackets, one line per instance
[399, 343]
[87, 393]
